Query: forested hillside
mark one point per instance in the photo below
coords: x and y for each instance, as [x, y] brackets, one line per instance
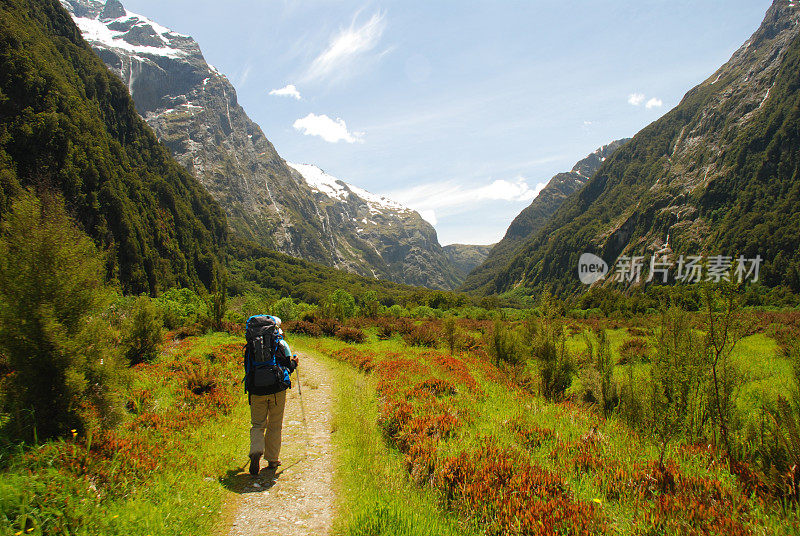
[68, 125]
[717, 175]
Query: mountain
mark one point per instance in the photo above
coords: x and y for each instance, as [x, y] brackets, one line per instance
[534, 217]
[68, 125]
[194, 111]
[466, 257]
[396, 243]
[717, 175]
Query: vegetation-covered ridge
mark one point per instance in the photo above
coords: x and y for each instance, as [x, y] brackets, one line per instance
[68, 125]
[717, 175]
[536, 215]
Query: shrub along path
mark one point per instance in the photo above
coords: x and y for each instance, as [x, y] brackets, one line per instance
[298, 499]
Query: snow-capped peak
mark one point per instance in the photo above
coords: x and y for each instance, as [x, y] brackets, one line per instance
[337, 189]
[116, 32]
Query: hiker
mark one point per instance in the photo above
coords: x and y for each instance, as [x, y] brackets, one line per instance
[268, 363]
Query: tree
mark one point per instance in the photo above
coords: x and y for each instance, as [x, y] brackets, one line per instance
[285, 309]
[339, 304]
[52, 334]
[370, 304]
[143, 331]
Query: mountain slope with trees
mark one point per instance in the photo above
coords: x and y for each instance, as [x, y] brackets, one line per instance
[194, 111]
[717, 175]
[537, 214]
[68, 125]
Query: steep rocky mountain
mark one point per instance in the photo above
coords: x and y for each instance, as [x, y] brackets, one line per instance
[68, 125]
[396, 243]
[466, 257]
[193, 110]
[531, 220]
[717, 175]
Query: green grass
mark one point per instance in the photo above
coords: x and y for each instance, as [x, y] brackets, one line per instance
[41, 490]
[368, 486]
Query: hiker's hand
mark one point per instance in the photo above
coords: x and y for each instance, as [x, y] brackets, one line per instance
[295, 360]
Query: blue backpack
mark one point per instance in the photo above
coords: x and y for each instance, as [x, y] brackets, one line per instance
[266, 370]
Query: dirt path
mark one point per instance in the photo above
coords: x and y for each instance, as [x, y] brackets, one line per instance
[298, 499]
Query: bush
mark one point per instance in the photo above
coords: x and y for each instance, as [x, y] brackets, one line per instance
[304, 328]
[180, 307]
[634, 350]
[421, 336]
[556, 366]
[502, 344]
[143, 332]
[53, 335]
[339, 304]
[597, 379]
[329, 326]
[450, 331]
[350, 335]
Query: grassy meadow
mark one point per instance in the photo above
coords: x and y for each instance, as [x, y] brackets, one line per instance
[500, 422]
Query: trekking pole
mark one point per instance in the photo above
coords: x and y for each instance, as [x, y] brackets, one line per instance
[299, 387]
[303, 411]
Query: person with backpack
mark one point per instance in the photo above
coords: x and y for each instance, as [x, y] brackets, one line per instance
[268, 362]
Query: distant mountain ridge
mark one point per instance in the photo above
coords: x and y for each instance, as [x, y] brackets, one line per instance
[536, 215]
[194, 111]
[717, 175]
[466, 257]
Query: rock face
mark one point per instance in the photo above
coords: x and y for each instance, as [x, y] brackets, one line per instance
[536, 215]
[717, 175]
[394, 240]
[193, 110]
[466, 257]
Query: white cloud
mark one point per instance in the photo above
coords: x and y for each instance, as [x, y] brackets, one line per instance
[345, 48]
[288, 90]
[451, 197]
[653, 103]
[328, 129]
[636, 99]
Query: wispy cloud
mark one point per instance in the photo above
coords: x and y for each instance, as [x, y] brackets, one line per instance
[330, 130]
[288, 90]
[345, 48]
[244, 74]
[452, 197]
[636, 99]
[653, 103]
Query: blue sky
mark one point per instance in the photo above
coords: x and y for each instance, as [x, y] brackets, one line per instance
[461, 110]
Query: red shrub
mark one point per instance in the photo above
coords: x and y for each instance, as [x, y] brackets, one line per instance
[423, 335]
[432, 386]
[303, 327]
[329, 326]
[351, 335]
[355, 357]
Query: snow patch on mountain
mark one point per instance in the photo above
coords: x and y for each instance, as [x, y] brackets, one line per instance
[337, 189]
[113, 32]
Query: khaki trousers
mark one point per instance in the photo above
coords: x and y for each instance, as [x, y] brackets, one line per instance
[266, 417]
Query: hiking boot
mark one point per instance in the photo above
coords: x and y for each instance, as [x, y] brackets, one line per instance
[273, 465]
[254, 468]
